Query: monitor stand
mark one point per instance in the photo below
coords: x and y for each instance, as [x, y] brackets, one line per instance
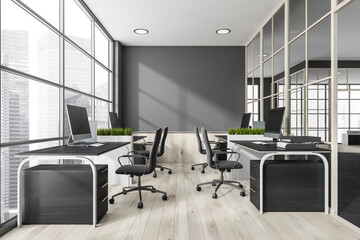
[71, 143]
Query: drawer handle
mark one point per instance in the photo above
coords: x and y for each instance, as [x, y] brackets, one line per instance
[104, 170]
[252, 178]
[104, 199]
[252, 190]
[104, 185]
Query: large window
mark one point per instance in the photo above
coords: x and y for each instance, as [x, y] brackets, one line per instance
[38, 79]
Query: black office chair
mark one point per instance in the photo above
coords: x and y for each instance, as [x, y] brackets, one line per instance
[146, 153]
[202, 151]
[140, 170]
[211, 158]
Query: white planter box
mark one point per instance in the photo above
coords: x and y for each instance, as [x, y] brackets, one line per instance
[111, 158]
[245, 155]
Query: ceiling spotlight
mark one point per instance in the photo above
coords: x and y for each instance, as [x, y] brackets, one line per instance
[141, 31]
[223, 31]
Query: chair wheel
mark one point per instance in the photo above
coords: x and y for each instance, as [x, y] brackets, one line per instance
[198, 188]
[203, 171]
[125, 193]
[111, 201]
[213, 184]
[170, 172]
[164, 197]
[228, 170]
[214, 196]
[241, 186]
[242, 193]
[155, 175]
[161, 169]
[140, 205]
[153, 191]
[192, 168]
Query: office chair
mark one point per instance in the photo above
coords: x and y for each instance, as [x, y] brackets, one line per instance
[202, 151]
[140, 170]
[211, 158]
[159, 154]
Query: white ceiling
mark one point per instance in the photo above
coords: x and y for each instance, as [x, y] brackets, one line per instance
[183, 22]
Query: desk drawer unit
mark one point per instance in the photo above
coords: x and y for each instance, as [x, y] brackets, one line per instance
[62, 194]
[289, 186]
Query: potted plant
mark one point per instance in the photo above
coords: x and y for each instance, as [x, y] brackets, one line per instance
[114, 135]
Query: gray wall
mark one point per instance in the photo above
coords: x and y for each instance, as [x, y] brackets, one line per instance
[182, 87]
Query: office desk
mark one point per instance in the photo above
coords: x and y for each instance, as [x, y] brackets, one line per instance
[222, 137]
[137, 138]
[65, 152]
[272, 150]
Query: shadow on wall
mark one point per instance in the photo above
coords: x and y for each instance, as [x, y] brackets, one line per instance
[183, 87]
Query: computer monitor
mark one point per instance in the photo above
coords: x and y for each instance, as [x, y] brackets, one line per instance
[274, 123]
[114, 120]
[245, 122]
[79, 123]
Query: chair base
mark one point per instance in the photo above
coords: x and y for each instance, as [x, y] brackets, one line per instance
[162, 169]
[221, 181]
[138, 188]
[204, 165]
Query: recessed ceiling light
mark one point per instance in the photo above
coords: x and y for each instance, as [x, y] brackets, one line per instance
[223, 31]
[264, 55]
[141, 31]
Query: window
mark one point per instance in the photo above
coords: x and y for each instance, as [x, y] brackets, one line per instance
[32, 89]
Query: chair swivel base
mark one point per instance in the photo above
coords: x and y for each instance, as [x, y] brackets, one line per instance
[204, 165]
[220, 182]
[162, 169]
[138, 188]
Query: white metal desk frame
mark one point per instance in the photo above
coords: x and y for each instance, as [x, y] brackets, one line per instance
[326, 169]
[56, 158]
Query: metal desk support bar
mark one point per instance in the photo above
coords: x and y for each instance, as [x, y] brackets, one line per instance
[326, 169]
[57, 158]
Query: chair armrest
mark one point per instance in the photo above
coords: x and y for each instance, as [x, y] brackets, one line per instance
[130, 156]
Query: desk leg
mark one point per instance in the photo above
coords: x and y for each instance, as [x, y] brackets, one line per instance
[326, 174]
[87, 160]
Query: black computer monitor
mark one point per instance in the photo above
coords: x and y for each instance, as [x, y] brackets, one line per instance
[79, 122]
[274, 123]
[245, 122]
[114, 120]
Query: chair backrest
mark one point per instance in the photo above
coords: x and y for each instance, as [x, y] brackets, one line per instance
[197, 134]
[154, 150]
[162, 146]
[209, 154]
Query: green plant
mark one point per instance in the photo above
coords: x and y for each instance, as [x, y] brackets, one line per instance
[246, 131]
[232, 131]
[114, 131]
[128, 131]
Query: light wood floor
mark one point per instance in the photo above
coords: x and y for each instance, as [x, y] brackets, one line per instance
[188, 214]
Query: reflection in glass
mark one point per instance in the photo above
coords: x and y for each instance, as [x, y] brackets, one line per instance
[319, 47]
[267, 77]
[48, 9]
[257, 83]
[256, 54]
[77, 69]
[249, 57]
[267, 36]
[101, 82]
[27, 45]
[297, 54]
[101, 47]
[77, 25]
[29, 109]
[317, 9]
[279, 66]
[297, 17]
[279, 27]
[102, 113]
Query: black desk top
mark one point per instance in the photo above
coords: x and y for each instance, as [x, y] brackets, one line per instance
[223, 137]
[137, 138]
[74, 151]
[272, 147]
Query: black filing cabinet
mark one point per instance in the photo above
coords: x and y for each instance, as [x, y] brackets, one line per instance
[289, 185]
[63, 194]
